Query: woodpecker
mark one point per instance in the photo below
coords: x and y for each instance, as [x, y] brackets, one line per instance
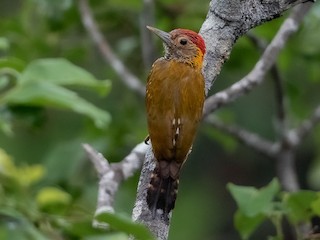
[175, 95]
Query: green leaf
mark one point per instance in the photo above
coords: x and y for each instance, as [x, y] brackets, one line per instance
[25, 176]
[82, 226]
[63, 72]
[15, 226]
[5, 126]
[4, 44]
[252, 201]
[28, 175]
[5, 119]
[47, 94]
[42, 82]
[51, 195]
[111, 236]
[246, 225]
[275, 238]
[12, 63]
[126, 225]
[4, 81]
[298, 205]
[315, 205]
[7, 166]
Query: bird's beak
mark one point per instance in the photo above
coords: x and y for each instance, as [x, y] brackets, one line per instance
[165, 37]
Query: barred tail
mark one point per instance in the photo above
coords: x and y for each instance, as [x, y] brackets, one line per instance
[163, 188]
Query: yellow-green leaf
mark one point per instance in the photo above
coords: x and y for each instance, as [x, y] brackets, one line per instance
[7, 167]
[28, 175]
[51, 195]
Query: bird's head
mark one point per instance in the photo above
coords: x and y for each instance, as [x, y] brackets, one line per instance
[182, 44]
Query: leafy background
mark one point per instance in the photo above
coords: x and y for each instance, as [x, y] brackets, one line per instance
[56, 92]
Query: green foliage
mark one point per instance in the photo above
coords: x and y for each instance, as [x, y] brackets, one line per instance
[42, 84]
[51, 195]
[269, 203]
[255, 205]
[16, 226]
[24, 176]
[25, 205]
[50, 190]
[252, 201]
[298, 205]
[125, 224]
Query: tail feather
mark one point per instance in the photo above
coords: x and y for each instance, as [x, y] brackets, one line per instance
[162, 192]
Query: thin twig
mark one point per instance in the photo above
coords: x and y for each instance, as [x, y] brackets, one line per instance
[285, 156]
[260, 43]
[278, 85]
[98, 160]
[147, 44]
[297, 135]
[281, 112]
[250, 139]
[109, 56]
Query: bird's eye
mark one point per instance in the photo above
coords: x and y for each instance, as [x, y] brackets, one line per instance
[183, 41]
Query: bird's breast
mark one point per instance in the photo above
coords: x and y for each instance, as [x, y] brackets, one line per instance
[174, 101]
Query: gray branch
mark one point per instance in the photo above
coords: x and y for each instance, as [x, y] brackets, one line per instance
[278, 86]
[147, 44]
[108, 55]
[256, 76]
[284, 156]
[250, 139]
[157, 224]
[111, 175]
[227, 20]
[297, 135]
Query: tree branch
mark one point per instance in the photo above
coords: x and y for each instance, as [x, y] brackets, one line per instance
[259, 43]
[227, 20]
[157, 224]
[111, 175]
[285, 156]
[286, 172]
[280, 100]
[147, 44]
[278, 87]
[256, 76]
[296, 136]
[252, 140]
[109, 56]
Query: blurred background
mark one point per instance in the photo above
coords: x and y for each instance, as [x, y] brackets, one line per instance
[49, 188]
